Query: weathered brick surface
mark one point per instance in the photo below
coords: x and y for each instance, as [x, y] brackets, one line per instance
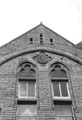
[20, 50]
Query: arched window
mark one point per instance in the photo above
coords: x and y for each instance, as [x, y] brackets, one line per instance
[26, 103]
[26, 81]
[59, 78]
[60, 92]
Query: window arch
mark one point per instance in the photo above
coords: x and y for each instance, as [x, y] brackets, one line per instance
[59, 79]
[58, 71]
[26, 80]
[27, 70]
[26, 102]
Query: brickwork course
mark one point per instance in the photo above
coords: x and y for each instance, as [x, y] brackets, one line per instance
[42, 51]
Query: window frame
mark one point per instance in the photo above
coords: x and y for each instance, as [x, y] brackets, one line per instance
[26, 97]
[60, 97]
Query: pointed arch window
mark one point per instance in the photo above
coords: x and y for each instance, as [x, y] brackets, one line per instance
[59, 78]
[26, 102]
[60, 91]
[27, 81]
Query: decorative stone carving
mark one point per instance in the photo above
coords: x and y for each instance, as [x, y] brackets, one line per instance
[42, 58]
[26, 70]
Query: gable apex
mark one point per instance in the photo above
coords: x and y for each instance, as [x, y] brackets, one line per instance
[41, 28]
[44, 27]
[50, 39]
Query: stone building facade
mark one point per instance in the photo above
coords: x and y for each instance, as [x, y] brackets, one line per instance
[40, 77]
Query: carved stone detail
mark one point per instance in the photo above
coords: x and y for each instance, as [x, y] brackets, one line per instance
[42, 58]
[26, 70]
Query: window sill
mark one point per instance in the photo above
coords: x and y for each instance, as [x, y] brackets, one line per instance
[19, 97]
[61, 98]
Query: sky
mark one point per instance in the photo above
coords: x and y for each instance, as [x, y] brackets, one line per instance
[19, 16]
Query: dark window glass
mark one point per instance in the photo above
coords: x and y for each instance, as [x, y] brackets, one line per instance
[56, 89]
[41, 35]
[64, 89]
[31, 40]
[31, 89]
[51, 41]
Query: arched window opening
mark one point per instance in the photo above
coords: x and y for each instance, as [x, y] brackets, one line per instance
[27, 80]
[60, 92]
[58, 72]
[26, 103]
[27, 70]
[59, 78]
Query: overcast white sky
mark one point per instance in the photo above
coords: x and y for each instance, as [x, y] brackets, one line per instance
[19, 16]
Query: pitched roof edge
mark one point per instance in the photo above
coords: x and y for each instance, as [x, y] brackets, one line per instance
[58, 34]
[41, 24]
[20, 36]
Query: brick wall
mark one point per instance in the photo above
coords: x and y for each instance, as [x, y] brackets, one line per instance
[45, 109]
[20, 49]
